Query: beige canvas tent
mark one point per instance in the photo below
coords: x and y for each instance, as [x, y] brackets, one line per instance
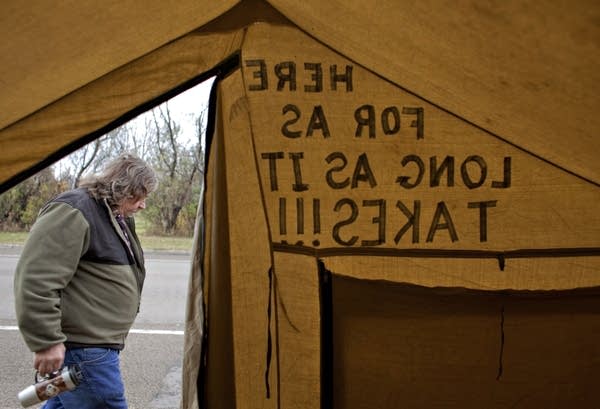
[401, 206]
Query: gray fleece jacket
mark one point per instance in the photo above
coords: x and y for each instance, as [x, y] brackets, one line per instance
[77, 281]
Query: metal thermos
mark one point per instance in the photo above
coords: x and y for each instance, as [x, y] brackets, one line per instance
[51, 385]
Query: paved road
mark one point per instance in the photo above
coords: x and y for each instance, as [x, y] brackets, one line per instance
[151, 361]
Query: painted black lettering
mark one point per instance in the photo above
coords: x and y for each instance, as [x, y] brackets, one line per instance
[300, 215]
[316, 77]
[285, 127]
[418, 123]
[316, 216]
[298, 186]
[379, 220]
[507, 175]
[412, 222]
[362, 172]
[442, 211]
[260, 74]
[318, 121]
[351, 219]
[273, 157]
[362, 120]
[395, 120]
[404, 181]
[329, 175]
[282, 216]
[286, 72]
[346, 77]
[464, 171]
[482, 206]
[436, 173]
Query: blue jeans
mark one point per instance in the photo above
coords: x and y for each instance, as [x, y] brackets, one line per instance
[101, 386]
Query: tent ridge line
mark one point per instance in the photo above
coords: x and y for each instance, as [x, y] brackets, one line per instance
[274, 297]
[462, 117]
[220, 70]
[482, 128]
[436, 253]
[441, 107]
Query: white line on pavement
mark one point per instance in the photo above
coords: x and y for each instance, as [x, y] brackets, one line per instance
[133, 331]
[155, 331]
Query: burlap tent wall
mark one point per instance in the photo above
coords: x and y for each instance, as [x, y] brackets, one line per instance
[401, 202]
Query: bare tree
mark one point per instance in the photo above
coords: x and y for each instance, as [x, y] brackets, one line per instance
[161, 139]
[91, 157]
[178, 167]
[81, 160]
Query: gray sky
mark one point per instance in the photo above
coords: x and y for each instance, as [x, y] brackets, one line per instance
[184, 107]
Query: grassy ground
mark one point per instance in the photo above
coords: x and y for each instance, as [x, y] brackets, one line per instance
[149, 242]
[155, 242]
[12, 238]
[166, 243]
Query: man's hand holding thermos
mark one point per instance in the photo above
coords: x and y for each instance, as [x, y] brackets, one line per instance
[50, 359]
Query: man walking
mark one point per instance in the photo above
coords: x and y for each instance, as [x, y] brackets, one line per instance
[78, 282]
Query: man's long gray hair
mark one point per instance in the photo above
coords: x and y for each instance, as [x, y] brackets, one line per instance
[125, 177]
